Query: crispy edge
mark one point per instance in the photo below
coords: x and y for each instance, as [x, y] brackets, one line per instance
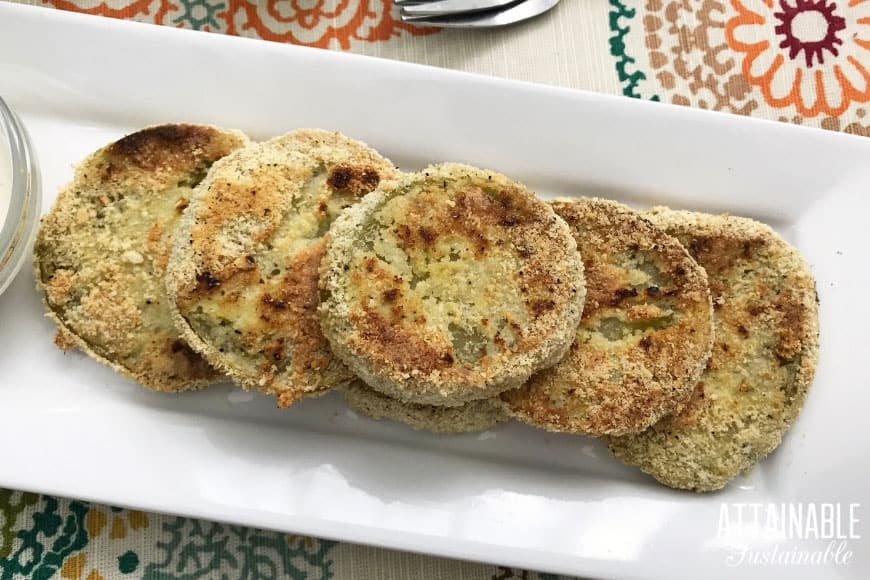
[479, 415]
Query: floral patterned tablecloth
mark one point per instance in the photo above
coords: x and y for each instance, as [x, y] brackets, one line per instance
[797, 61]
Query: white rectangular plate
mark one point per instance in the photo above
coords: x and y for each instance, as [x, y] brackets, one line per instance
[513, 495]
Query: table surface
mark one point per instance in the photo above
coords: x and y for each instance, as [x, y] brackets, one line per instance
[796, 61]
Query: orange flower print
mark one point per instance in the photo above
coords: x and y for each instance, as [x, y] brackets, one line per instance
[816, 62]
[320, 23]
[111, 8]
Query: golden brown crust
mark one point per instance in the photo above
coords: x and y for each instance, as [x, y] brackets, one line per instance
[763, 361]
[243, 272]
[454, 286]
[645, 335]
[100, 253]
[473, 416]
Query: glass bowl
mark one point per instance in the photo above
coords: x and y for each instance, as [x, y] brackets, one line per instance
[20, 195]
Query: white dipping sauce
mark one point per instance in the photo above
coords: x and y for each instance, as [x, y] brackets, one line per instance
[5, 183]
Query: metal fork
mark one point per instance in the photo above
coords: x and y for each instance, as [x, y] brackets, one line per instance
[449, 7]
[471, 13]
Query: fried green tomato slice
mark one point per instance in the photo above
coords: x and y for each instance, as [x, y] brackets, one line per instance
[454, 286]
[645, 336]
[102, 250]
[763, 361]
[244, 269]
